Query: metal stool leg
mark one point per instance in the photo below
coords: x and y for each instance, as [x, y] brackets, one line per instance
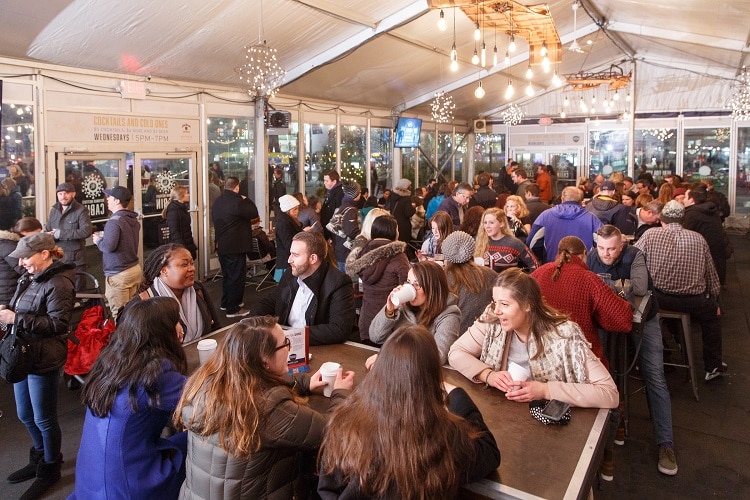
[687, 334]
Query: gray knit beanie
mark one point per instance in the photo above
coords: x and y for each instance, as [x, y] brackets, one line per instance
[458, 247]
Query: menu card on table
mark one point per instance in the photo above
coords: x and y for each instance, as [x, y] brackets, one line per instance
[299, 350]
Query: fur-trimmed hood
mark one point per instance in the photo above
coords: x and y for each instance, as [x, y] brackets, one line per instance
[8, 235]
[375, 251]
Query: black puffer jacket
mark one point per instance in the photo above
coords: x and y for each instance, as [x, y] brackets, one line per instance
[178, 220]
[42, 304]
[10, 271]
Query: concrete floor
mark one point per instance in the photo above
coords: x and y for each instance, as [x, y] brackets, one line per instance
[712, 441]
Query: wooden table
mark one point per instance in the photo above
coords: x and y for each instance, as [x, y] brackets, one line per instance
[538, 461]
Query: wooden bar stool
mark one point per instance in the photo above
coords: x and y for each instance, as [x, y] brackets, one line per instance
[686, 345]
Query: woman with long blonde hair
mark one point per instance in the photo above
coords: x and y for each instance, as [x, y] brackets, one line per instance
[517, 213]
[497, 246]
[247, 420]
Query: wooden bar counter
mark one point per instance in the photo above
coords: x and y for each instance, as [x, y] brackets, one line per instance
[538, 461]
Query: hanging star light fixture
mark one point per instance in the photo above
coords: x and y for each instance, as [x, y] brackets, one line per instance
[443, 107]
[740, 100]
[260, 75]
[512, 115]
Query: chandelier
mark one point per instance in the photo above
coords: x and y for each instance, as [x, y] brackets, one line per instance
[660, 133]
[260, 75]
[740, 100]
[512, 115]
[442, 107]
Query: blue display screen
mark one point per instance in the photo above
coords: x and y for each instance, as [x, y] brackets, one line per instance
[407, 132]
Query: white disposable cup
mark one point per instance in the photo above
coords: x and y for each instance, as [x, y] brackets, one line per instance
[206, 348]
[328, 372]
[518, 373]
[479, 261]
[406, 294]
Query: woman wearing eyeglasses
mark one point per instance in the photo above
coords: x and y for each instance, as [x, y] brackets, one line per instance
[250, 433]
[433, 307]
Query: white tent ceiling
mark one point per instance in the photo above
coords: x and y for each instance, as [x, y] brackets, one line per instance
[389, 54]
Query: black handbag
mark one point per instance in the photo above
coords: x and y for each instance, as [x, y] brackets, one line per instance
[15, 357]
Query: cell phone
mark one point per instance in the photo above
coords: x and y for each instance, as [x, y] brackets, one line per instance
[554, 410]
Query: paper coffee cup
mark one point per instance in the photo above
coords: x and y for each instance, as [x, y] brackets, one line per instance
[406, 294]
[328, 372]
[479, 261]
[518, 372]
[206, 348]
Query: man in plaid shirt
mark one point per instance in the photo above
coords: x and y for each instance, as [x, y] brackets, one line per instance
[685, 279]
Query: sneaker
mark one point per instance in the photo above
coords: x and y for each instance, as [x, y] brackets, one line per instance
[607, 468]
[716, 372]
[241, 313]
[667, 461]
[242, 304]
[620, 436]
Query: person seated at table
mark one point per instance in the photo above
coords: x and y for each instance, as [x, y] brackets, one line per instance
[593, 305]
[471, 282]
[312, 293]
[441, 226]
[364, 236]
[381, 265]
[433, 307]
[436, 442]
[519, 327]
[247, 420]
[498, 248]
[169, 271]
[130, 395]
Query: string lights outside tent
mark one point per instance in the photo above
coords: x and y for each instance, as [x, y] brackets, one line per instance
[260, 75]
[740, 100]
[660, 133]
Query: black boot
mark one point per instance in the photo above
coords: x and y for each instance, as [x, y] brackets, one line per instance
[29, 471]
[46, 476]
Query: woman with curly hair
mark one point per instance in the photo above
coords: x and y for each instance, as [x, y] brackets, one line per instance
[518, 216]
[436, 441]
[247, 421]
[497, 246]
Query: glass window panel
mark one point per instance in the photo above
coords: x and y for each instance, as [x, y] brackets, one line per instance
[381, 159]
[566, 166]
[706, 156]
[91, 177]
[407, 163]
[231, 144]
[742, 204]
[320, 144]
[608, 150]
[427, 161]
[461, 158]
[489, 152]
[445, 157]
[353, 153]
[656, 149]
[17, 146]
[282, 153]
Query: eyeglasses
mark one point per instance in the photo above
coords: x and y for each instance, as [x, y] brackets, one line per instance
[414, 284]
[287, 343]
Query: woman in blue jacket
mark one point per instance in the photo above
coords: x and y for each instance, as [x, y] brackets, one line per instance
[130, 395]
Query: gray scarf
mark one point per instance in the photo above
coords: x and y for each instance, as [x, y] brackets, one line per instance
[190, 315]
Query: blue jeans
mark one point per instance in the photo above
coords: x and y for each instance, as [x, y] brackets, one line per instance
[36, 405]
[651, 358]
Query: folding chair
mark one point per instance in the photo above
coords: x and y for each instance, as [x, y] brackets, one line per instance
[258, 273]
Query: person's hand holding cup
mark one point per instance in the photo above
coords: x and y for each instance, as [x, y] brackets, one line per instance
[399, 296]
[518, 373]
[334, 378]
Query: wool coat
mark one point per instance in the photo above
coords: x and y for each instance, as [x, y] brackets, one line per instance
[178, 220]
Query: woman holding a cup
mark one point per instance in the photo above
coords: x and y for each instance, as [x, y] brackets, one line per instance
[423, 300]
[436, 441]
[497, 247]
[519, 327]
[130, 395]
[247, 421]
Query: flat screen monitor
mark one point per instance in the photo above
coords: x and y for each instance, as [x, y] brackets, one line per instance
[407, 132]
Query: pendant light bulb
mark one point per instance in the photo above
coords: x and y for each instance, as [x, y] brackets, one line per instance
[529, 90]
[512, 44]
[479, 91]
[454, 54]
[556, 80]
[484, 55]
[454, 66]
[509, 91]
[477, 32]
[562, 114]
[593, 99]
[616, 97]
[542, 51]
[442, 24]
[627, 97]
[494, 57]
[545, 64]
[475, 57]
[507, 57]
[529, 73]
[566, 102]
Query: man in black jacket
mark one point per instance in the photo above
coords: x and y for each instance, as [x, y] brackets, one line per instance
[485, 196]
[232, 215]
[70, 223]
[703, 217]
[312, 293]
[334, 197]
